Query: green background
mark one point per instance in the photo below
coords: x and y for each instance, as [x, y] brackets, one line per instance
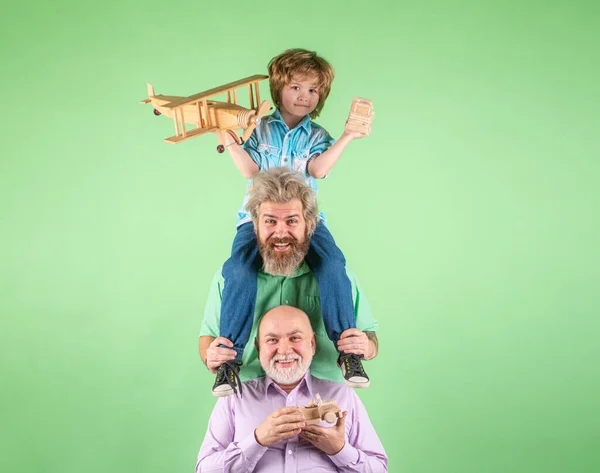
[470, 216]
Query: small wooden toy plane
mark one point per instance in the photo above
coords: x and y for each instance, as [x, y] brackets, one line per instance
[209, 115]
[315, 412]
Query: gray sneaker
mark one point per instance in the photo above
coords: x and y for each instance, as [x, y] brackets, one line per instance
[354, 374]
[228, 379]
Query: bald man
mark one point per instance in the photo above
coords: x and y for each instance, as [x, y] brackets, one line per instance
[265, 432]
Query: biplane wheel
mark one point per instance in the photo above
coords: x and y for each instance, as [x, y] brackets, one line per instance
[220, 148]
[329, 417]
[156, 112]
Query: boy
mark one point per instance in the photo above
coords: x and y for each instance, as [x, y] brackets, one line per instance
[300, 82]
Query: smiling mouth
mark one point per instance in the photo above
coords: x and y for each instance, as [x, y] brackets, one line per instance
[281, 246]
[286, 364]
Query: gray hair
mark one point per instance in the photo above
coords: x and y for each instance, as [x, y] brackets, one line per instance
[280, 185]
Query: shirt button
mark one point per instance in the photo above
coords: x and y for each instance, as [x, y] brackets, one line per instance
[290, 452]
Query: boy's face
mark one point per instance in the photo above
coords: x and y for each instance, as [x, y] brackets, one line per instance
[300, 97]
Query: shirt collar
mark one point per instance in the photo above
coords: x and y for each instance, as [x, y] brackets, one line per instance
[276, 117]
[302, 269]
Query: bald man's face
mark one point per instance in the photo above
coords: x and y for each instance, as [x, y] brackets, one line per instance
[286, 344]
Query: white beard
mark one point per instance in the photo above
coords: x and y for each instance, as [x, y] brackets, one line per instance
[286, 375]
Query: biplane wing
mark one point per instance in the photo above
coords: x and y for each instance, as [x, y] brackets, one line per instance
[190, 134]
[217, 90]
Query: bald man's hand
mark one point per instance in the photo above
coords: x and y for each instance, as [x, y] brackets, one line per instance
[279, 425]
[330, 440]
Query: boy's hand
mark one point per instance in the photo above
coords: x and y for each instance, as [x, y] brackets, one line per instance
[215, 355]
[226, 138]
[355, 135]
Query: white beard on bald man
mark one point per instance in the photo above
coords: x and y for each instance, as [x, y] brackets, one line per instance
[281, 374]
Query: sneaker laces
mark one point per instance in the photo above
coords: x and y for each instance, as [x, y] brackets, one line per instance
[225, 371]
[354, 365]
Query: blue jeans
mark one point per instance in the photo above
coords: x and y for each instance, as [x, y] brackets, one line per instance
[240, 272]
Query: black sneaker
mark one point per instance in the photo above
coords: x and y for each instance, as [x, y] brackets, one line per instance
[228, 379]
[353, 371]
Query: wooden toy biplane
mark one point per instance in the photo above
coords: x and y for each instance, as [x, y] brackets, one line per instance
[212, 116]
[315, 412]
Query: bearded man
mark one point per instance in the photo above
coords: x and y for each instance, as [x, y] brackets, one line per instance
[284, 213]
[264, 431]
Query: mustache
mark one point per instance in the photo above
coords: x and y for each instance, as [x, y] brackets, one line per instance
[282, 241]
[286, 357]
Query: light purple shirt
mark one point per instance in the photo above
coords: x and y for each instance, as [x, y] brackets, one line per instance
[230, 446]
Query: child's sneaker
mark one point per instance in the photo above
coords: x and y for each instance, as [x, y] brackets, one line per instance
[353, 371]
[228, 379]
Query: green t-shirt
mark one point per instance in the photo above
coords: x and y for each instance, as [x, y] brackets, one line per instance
[299, 290]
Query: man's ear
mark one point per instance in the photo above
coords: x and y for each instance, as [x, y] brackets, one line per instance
[256, 344]
[314, 343]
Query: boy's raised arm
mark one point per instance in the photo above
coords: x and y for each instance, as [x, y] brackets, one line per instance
[242, 160]
[320, 166]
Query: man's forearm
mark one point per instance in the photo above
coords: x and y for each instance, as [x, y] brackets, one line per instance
[372, 336]
[232, 459]
[372, 462]
[203, 345]
[236, 457]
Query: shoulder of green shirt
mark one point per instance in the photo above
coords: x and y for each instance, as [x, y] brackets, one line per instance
[218, 280]
[210, 322]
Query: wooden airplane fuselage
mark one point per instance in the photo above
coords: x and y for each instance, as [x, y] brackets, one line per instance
[223, 115]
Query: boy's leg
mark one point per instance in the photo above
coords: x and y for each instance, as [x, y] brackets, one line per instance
[328, 264]
[240, 273]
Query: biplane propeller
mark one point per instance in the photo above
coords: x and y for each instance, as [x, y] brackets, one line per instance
[210, 115]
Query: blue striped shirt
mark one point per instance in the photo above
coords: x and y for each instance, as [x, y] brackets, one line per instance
[273, 144]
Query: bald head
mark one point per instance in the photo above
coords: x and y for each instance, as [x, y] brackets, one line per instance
[287, 315]
[286, 344]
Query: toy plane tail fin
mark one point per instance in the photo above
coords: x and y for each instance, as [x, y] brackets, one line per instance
[150, 94]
